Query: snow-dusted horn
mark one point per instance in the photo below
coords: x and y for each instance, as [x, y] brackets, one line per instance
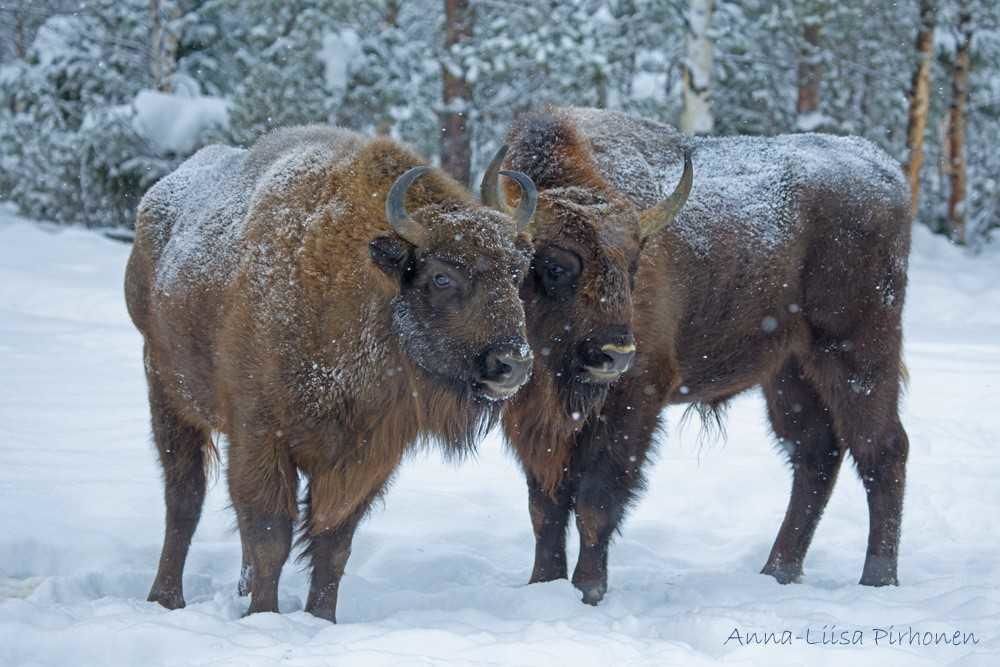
[661, 215]
[395, 207]
[492, 196]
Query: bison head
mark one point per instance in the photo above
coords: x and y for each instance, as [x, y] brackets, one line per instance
[458, 313]
[577, 295]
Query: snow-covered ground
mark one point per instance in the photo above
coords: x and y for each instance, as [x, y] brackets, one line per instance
[438, 573]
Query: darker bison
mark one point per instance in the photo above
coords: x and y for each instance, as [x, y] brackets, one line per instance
[786, 269]
[324, 301]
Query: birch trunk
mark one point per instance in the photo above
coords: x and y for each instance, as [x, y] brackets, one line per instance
[696, 117]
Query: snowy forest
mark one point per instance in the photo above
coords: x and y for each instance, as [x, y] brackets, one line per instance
[688, 344]
[99, 99]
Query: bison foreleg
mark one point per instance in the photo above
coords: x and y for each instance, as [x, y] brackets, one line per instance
[328, 553]
[263, 485]
[245, 585]
[339, 498]
[549, 518]
[268, 537]
[609, 467]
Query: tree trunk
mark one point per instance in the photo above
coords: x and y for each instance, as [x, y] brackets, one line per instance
[696, 117]
[956, 127]
[163, 44]
[456, 143]
[390, 20]
[20, 33]
[920, 98]
[810, 76]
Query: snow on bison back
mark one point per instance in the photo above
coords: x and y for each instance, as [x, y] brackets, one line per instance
[288, 300]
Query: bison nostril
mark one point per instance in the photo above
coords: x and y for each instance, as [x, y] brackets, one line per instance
[506, 370]
[502, 370]
[608, 361]
[618, 361]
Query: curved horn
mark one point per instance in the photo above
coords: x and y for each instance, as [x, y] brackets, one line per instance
[395, 207]
[529, 200]
[661, 215]
[489, 189]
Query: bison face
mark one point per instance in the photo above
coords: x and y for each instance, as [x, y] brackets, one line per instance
[458, 314]
[578, 292]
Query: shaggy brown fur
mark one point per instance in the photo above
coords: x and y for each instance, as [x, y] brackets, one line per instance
[581, 214]
[786, 269]
[279, 308]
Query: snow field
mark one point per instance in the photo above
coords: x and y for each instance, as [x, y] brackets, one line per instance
[438, 571]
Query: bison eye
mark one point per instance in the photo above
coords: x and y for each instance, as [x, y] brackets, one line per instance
[441, 281]
[558, 271]
[556, 276]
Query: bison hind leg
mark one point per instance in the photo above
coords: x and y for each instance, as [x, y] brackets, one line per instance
[860, 382]
[185, 450]
[803, 426]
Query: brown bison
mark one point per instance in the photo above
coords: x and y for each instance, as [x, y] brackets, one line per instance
[289, 300]
[786, 269]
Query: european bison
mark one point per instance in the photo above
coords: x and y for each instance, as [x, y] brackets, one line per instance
[288, 300]
[785, 269]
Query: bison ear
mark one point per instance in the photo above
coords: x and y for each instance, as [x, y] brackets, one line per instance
[390, 253]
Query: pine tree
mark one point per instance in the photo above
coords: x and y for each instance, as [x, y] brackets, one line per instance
[281, 77]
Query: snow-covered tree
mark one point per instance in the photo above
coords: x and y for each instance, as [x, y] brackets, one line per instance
[280, 75]
[72, 147]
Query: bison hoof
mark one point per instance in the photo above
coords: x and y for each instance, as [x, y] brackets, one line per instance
[879, 571]
[171, 599]
[320, 611]
[783, 574]
[261, 609]
[888, 581]
[541, 576]
[593, 592]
